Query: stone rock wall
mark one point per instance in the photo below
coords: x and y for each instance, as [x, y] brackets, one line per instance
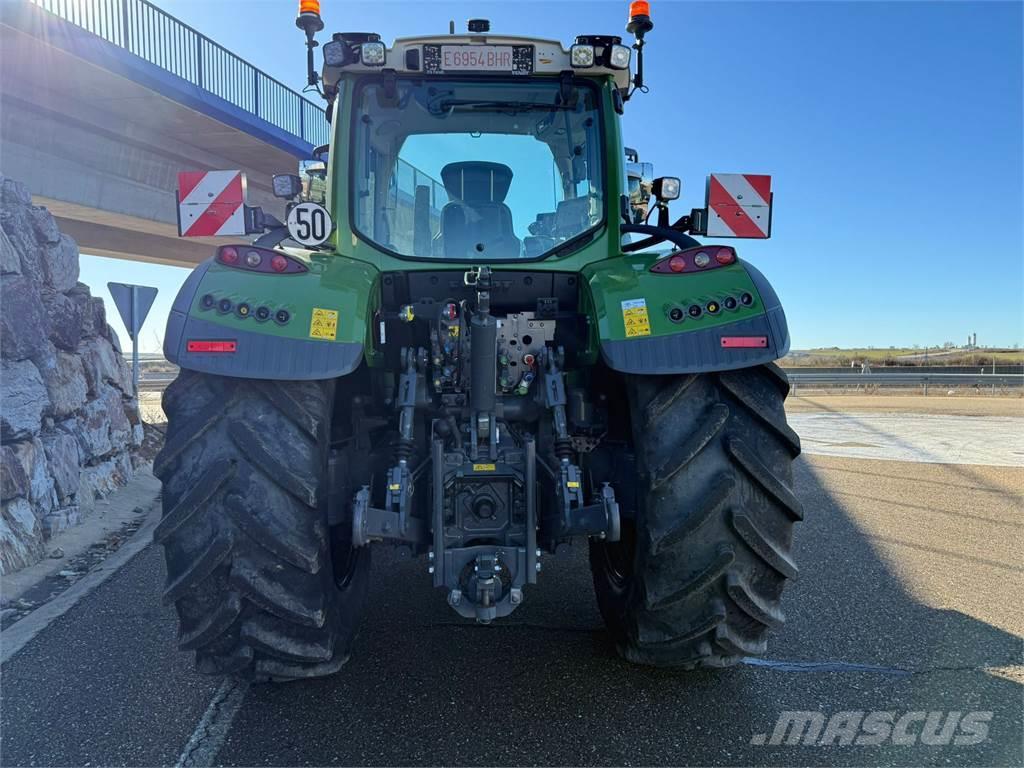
[69, 420]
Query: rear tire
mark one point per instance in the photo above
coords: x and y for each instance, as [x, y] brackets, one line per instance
[244, 529]
[697, 577]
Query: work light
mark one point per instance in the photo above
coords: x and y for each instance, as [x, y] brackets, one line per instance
[619, 57]
[667, 188]
[286, 185]
[335, 53]
[582, 56]
[372, 54]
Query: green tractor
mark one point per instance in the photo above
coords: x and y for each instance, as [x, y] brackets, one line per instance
[474, 352]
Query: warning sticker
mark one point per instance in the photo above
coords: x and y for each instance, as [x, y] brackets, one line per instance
[484, 467]
[324, 324]
[634, 317]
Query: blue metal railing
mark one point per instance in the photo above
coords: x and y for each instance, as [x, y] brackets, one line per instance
[407, 177]
[154, 35]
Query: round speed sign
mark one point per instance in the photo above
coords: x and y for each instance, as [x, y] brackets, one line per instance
[309, 224]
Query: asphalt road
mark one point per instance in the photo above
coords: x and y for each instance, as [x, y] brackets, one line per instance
[908, 600]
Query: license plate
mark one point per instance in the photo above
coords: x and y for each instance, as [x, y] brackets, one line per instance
[477, 58]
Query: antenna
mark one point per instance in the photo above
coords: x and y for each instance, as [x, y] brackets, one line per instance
[451, 27]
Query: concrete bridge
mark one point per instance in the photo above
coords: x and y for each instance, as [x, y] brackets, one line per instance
[103, 102]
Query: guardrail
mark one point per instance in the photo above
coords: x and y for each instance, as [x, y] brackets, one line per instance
[152, 34]
[909, 379]
[159, 381]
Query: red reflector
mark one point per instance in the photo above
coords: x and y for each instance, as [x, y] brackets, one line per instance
[212, 346]
[677, 263]
[229, 255]
[749, 342]
[279, 263]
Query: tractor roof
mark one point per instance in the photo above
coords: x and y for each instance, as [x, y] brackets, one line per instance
[428, 54]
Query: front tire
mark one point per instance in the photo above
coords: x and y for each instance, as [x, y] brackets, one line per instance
[696, 579]
[244, 529]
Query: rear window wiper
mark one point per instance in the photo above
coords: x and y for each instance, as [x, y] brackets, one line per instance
[511, 107]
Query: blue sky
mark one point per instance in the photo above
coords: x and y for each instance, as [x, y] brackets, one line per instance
[893, 132]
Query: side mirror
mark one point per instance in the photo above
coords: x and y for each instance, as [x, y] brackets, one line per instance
[314, 181]
[287, 186]
[640, 179]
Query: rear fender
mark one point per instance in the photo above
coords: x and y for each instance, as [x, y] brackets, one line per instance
[632, 310]
[327, 309]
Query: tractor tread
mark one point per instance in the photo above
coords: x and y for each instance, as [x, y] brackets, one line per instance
[285, 402]
[762, 546]
[753, 604]
[675, 637]
[710, 504]
[731, 643]
[710, 426]
[656, 601]
[288, 543]
[765, 479]
[275, 670]
[271, 595]
[200, 567]
[186, 436]
[212, 625]
[667, 397]
[760, 404]
[280, 643]
[254, 447]
[216, 475]
[244, 531]
[713, 530]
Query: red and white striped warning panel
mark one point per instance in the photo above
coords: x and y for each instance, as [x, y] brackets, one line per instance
[739, 205]
[211, 203]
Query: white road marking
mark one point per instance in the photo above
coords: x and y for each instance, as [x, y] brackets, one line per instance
[996, 441]
[213, 727]
[15, 637]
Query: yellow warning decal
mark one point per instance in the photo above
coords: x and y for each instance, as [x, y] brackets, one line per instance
[634, 317]
[484, 467]
[324, 324]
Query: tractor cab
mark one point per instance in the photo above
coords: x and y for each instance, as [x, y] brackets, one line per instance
[476, 147]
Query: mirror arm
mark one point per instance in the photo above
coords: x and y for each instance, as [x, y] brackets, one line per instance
[257, 221]
[663, 215]
[624, 210]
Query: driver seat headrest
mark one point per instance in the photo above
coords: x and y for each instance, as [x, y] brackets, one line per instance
[477, 181]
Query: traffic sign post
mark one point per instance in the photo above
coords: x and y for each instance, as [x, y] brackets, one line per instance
[133, 303]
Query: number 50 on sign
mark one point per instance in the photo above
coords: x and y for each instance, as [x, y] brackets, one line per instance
[309, 224]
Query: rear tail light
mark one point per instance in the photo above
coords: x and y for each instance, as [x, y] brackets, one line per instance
[263, 260]
[699, 259]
